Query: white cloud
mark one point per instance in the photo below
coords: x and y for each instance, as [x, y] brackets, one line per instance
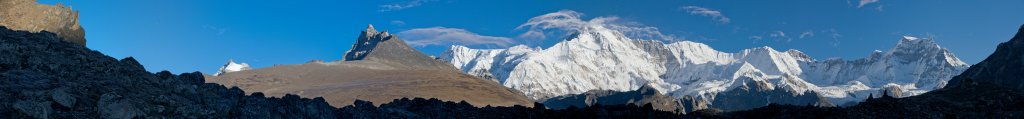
[402, 5]
[450, 36]
[777, 34]
[565, 20]
[398, 22]
[539, 27]
[714, 14]
[835, 36]
[865, 2]
[755, 37]
[806, 34]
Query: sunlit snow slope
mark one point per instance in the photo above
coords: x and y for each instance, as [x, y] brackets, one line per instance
[598, 58]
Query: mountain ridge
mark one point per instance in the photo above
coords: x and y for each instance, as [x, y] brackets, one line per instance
[687, 68]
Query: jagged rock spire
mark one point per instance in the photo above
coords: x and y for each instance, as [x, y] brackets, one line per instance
[370, 30]
[382, 46]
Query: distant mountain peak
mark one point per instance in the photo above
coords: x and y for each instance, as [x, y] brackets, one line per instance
[366, 43]
[231, 66]
[387, 48]
[911, 40]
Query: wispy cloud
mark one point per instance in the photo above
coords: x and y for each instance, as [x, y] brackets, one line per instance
[865, 2]
[398, 22]
[807, 34]
[835, 36]
[450, 36]
[777, 34]
[714, 14]
[539, 27]
[403, 5]
[755, 38]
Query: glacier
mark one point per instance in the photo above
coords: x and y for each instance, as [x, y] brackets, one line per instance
[600, 58]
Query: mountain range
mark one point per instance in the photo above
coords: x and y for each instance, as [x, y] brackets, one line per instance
[598, 58]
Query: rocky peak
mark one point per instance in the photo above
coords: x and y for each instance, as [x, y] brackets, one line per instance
[648, 90]
[366, 43]
[912, 48]
[915, 42]
[387, 48]
[798, 54]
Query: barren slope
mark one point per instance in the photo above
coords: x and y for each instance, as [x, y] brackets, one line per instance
[391, 70]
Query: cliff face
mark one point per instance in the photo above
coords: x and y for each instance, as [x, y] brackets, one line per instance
[28, 15]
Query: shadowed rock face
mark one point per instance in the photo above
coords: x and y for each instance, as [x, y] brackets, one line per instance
[379, 68]
[644, 95]
[42, 76]
[30, 16]
[1004, 67]
[753, 96]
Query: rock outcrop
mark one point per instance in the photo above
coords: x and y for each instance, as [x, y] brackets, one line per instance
[31, 16]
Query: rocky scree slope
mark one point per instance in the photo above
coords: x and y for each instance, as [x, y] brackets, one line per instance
[42, 76]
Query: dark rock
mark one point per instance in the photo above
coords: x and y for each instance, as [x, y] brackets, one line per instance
[749, 97]
[642, 96]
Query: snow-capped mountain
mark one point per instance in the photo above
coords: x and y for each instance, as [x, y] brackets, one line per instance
[598, 58]
[232, 67]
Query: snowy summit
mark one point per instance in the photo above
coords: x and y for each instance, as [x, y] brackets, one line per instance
[232, 67]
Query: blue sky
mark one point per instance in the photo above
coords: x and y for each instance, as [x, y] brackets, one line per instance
[201, 35]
